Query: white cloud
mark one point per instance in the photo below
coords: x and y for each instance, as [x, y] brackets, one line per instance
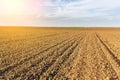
[87, 8]
[74, 12]
[86, 12]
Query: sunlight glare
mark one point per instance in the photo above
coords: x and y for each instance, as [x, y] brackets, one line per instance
[12, 6]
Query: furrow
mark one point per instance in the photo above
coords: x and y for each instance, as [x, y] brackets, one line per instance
[111, 53]
[56, 69]
[35, 62]
[67, 66]
[63, 61]
[50, 61]
[26, 59]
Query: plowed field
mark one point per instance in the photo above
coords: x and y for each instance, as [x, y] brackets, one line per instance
[59, 54]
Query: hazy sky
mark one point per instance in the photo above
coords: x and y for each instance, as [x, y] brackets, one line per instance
[60, 12]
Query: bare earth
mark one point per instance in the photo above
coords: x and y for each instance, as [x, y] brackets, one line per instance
[59, 54]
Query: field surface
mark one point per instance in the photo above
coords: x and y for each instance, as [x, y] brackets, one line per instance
[59, 53]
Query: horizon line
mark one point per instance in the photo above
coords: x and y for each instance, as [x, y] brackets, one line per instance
[66, 26]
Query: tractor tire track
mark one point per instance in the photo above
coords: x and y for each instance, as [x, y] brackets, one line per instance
[110, 58]
[111, 53]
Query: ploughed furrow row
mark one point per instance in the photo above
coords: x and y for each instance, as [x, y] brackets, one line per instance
[41, 68]
[38, 60]
[57, 66]
[30, 62]
[7, 50]
[13, 57]
[81, 72]
[28, 58]
[111, 53]
[29, 43]
[60, 68]
[67, 66]
[31, 38]
[67, 70]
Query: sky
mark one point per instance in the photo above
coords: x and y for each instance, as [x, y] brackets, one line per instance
[90, 13]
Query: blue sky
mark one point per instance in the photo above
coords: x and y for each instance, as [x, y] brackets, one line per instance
[60, 13]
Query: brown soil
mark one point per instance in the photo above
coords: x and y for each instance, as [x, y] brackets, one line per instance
[59, 54]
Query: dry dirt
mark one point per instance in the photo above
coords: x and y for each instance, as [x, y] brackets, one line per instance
[59, 54]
